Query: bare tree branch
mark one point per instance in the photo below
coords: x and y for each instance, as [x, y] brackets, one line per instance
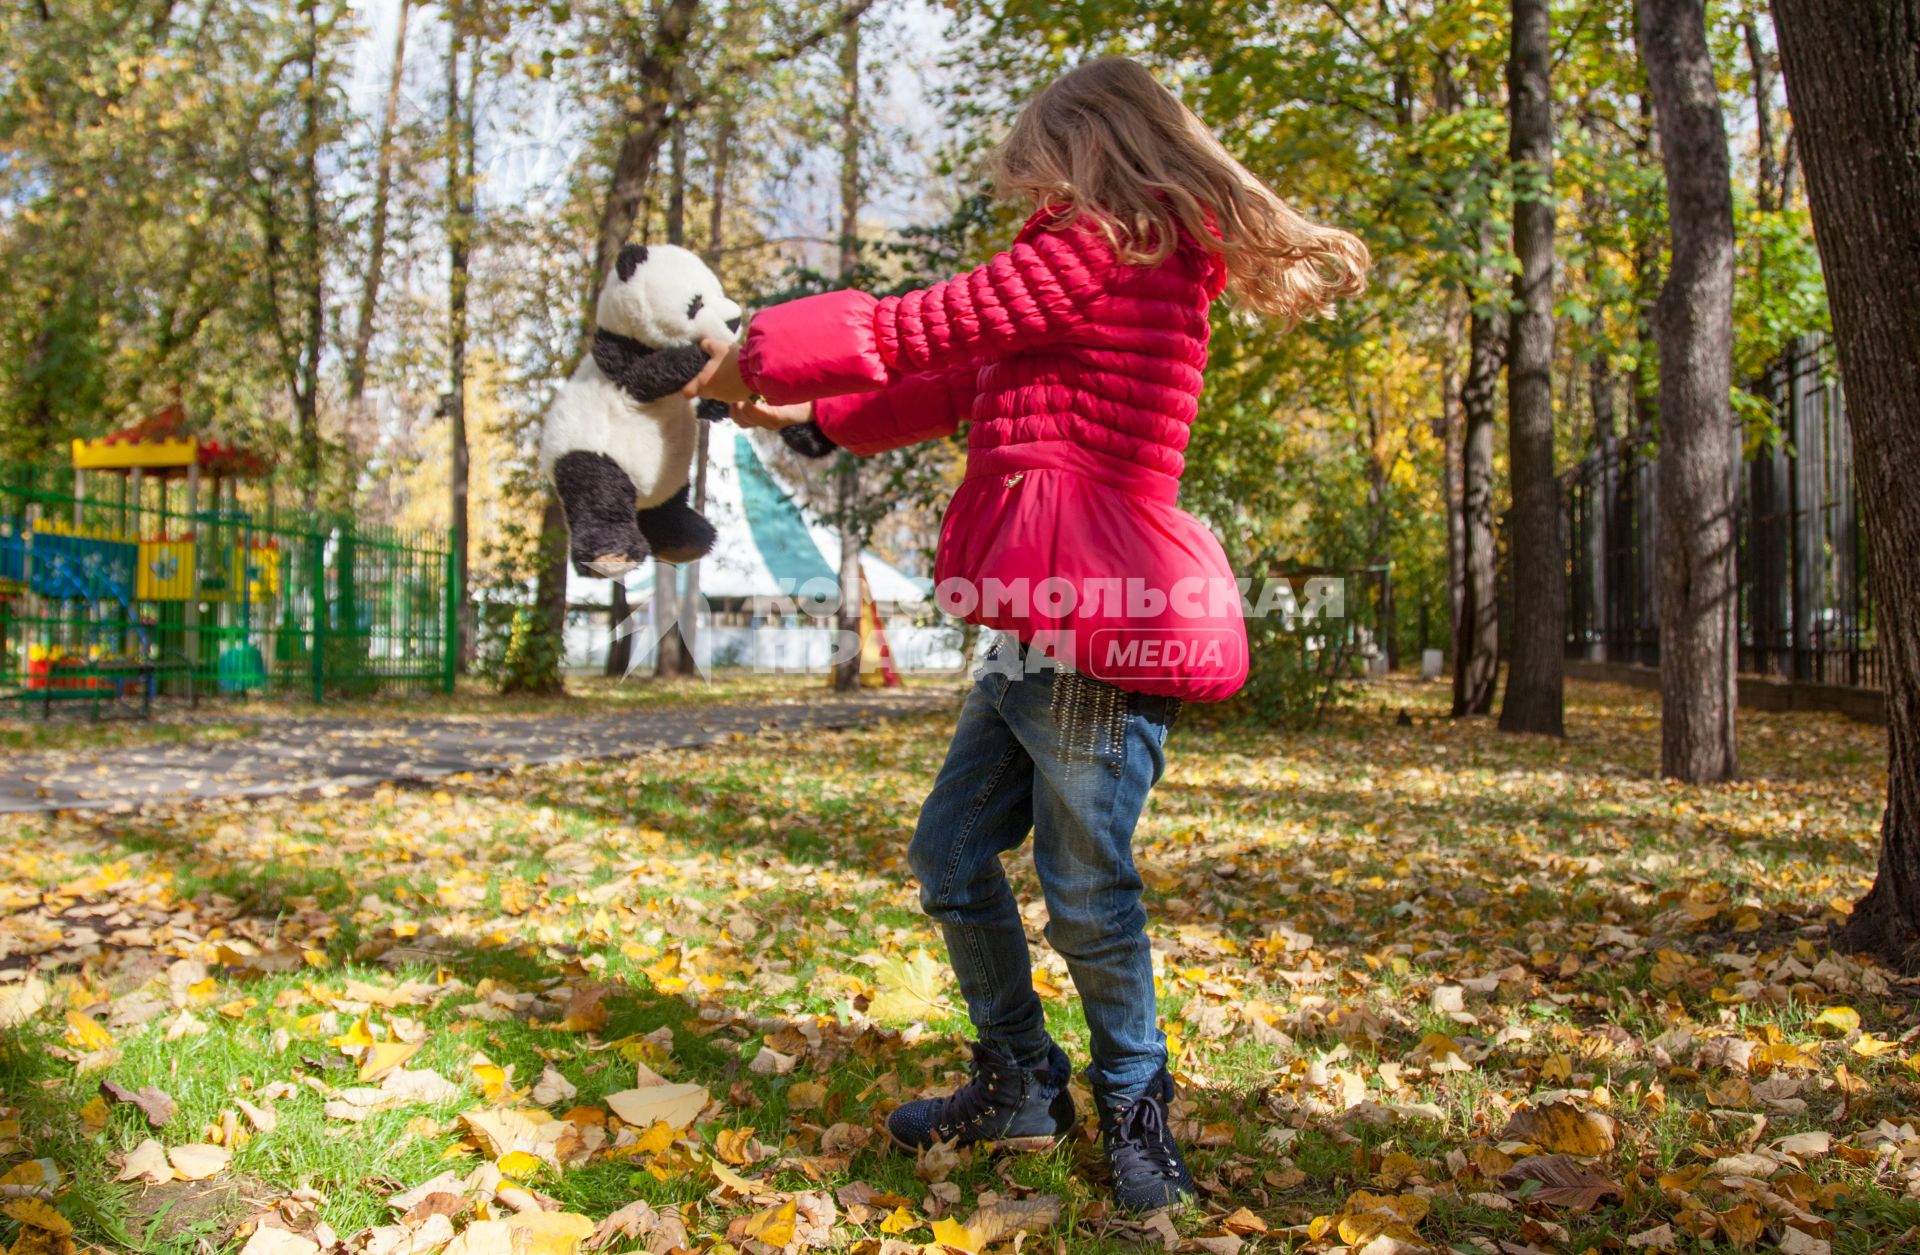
[767, 58]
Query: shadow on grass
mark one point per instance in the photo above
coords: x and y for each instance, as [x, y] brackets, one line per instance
[806, 820]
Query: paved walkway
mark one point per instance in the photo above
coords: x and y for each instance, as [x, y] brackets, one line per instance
[302, 755]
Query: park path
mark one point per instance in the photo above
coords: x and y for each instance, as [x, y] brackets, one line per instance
[296, 755]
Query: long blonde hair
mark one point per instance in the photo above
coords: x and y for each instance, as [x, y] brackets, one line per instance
[1106, 141]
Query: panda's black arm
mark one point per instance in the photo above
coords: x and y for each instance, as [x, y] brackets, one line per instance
[642, 373]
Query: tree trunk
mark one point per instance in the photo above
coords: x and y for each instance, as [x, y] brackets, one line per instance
[460, 183]
[1853, 82]
[846, 667]
[658, 57]
[1476, 645]
[717, 204]
[1606, 445]
[1535, 677]
[1446, 102]
[619, 645]
[1601, 399]
[1452, 434]
[846, 672]
[1699, 452]
[1766, 186]
[655, 55]
[1646, 281]
[377, 236]
[550, 606]
[549, 603]
[677, 186]
[671, 656]
[307, 396]
[1589, 598]
[716, 224]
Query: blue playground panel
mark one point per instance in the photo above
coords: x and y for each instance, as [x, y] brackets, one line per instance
[82, 567]
[13, 549]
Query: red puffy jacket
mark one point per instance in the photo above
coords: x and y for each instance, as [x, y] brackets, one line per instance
[1081, 375]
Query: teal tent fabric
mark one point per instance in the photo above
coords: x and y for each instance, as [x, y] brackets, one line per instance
[779, 532]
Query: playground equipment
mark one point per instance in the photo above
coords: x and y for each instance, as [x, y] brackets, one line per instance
[163, 567]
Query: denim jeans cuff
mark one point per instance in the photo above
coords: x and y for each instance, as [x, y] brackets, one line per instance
[1026, 1052]
[1119, 1091]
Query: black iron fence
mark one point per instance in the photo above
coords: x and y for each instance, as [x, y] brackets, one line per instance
[1805, 613]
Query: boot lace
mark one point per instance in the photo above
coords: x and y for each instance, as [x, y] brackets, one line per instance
[1141, 1142]
[987, 1088]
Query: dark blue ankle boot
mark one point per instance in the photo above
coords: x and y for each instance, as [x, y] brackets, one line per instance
[1022, 1108]
[1148, 1171]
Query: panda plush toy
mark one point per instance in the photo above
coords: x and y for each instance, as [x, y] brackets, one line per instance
[619, 437]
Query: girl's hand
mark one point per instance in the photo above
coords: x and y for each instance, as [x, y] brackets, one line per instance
[720, 379]
[771, 417]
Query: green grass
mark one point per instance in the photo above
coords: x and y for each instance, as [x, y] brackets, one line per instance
[227, 717]
[71, 729]
[730, 893]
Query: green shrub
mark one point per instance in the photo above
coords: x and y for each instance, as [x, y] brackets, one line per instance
[515, 652]
[1294, 671]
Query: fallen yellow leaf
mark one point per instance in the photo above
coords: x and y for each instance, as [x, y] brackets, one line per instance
[85, 1032]
[910, 988]
[1742, 1225]
[359, 1037]
[774, 1226]
[1838, 1020]
[548, 1232]
[147, 1162]
[34, 1176]
[950, 1232]
[198, 1161]
[731, 1179]
[658, 1137]
[1561, 1128]
[678, 1104]
[38, 1215]
[735, 1146]
[1363, 1230]
[384, 1056]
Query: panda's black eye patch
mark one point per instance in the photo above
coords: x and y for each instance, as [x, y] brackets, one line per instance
[694, 306]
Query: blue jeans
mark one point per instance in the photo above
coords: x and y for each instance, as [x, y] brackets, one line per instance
[1070, 760]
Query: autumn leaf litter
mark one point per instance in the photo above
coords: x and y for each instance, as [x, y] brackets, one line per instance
[1426, 988]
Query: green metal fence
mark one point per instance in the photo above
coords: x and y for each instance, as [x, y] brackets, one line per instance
[116, 590]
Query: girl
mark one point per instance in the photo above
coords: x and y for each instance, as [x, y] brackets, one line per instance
[1077, 357]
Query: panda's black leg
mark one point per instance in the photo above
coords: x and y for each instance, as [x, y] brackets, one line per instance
[605, 538]
[676, 530]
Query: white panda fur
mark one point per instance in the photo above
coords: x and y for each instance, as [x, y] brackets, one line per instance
[651, 441]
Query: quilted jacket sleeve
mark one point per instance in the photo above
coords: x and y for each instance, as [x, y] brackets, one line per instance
[913, 409]
[1038, 292]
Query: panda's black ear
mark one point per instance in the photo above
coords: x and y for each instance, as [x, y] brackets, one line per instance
[629, 260]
